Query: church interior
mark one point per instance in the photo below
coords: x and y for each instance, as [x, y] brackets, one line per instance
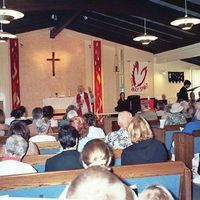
[56, 54]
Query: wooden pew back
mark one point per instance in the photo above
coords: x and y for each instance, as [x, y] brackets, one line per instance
[185, 147]
[137, 173]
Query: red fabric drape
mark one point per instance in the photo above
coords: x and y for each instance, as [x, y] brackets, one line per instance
[97, 77]
[14, 63]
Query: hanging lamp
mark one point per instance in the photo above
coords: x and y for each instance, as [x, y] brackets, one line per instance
[185, 23]
[4, 36]
[146, 38]
[7, 15]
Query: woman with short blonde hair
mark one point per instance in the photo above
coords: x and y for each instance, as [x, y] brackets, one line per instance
[139, 130]
[144, 148]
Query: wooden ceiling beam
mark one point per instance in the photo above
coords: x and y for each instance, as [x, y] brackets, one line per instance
[63, 23]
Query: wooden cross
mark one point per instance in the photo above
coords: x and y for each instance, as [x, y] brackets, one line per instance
[53, 59]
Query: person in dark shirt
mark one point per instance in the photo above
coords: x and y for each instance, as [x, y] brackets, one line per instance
[144, 148]
[122, 103]
[183, 95]
[69, 158]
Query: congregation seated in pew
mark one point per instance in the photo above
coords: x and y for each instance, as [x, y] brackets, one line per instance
[144, 148]
[37, 113]
[20, 128]
[69, 158]
[15, 148]
[42, 127]
[176, 116]
[119, 139]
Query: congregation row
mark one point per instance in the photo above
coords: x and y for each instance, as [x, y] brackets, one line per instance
[80, 144]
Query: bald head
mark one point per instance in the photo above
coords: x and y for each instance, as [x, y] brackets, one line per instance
[124, 118]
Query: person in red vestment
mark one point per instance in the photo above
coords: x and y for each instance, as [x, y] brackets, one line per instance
[84, 100]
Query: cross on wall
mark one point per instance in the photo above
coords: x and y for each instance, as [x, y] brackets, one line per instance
[53, 60]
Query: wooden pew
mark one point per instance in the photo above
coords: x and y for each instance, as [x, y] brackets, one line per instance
[185, 147]
[50, 147]
[165, 135]
[142, 175]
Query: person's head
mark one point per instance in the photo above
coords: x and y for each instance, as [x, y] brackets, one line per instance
[48, 112]
[71, 111]
[187, 83]
[163, 96]
[68, 136]
[23, 111]
[139, 129]
[160, 105]
[192, 95]
[122, 95]
[2, 117]
[96, 153]
[144, 106]
[16, 146]
[155, 192]
[90, 119]
[80, 125]
[37, 113]
[80, 89]
[97, 183]
[42, 125]
[124, 119]
[176, 108]
[19, 128]
[16, 113]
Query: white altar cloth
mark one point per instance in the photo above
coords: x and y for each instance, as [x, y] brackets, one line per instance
[59, 103]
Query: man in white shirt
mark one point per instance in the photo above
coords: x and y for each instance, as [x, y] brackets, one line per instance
[119, 139]
[16, 147]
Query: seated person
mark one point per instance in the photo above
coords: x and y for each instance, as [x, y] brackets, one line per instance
[71, 112]
[195, 123]
[16, 148]
[3, 127]
[21, 115]
[160, 109]
[48, 112]
[94, 131]
[98, 183]
[69, 158]
[122, 103]
[20, 128]
[185, 110]
[96, 153]
[146, 113]
[176, 117]
[42, 127]
[119, 139]
[164, 99]
[82, 127]
[155, 192]
[37, 113]
[144, 148]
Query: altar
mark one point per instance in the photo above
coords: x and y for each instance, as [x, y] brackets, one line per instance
[59, 103]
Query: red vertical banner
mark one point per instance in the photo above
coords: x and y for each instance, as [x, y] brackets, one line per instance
[97, 77]
[14, 63]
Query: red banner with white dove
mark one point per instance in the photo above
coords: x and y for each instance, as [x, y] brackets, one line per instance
[14, 63]
[139, 72]
[97, 77]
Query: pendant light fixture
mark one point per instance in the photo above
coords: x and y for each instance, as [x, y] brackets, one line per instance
[4, 36]
[146, 38]
[7, 15]
[186, 23]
